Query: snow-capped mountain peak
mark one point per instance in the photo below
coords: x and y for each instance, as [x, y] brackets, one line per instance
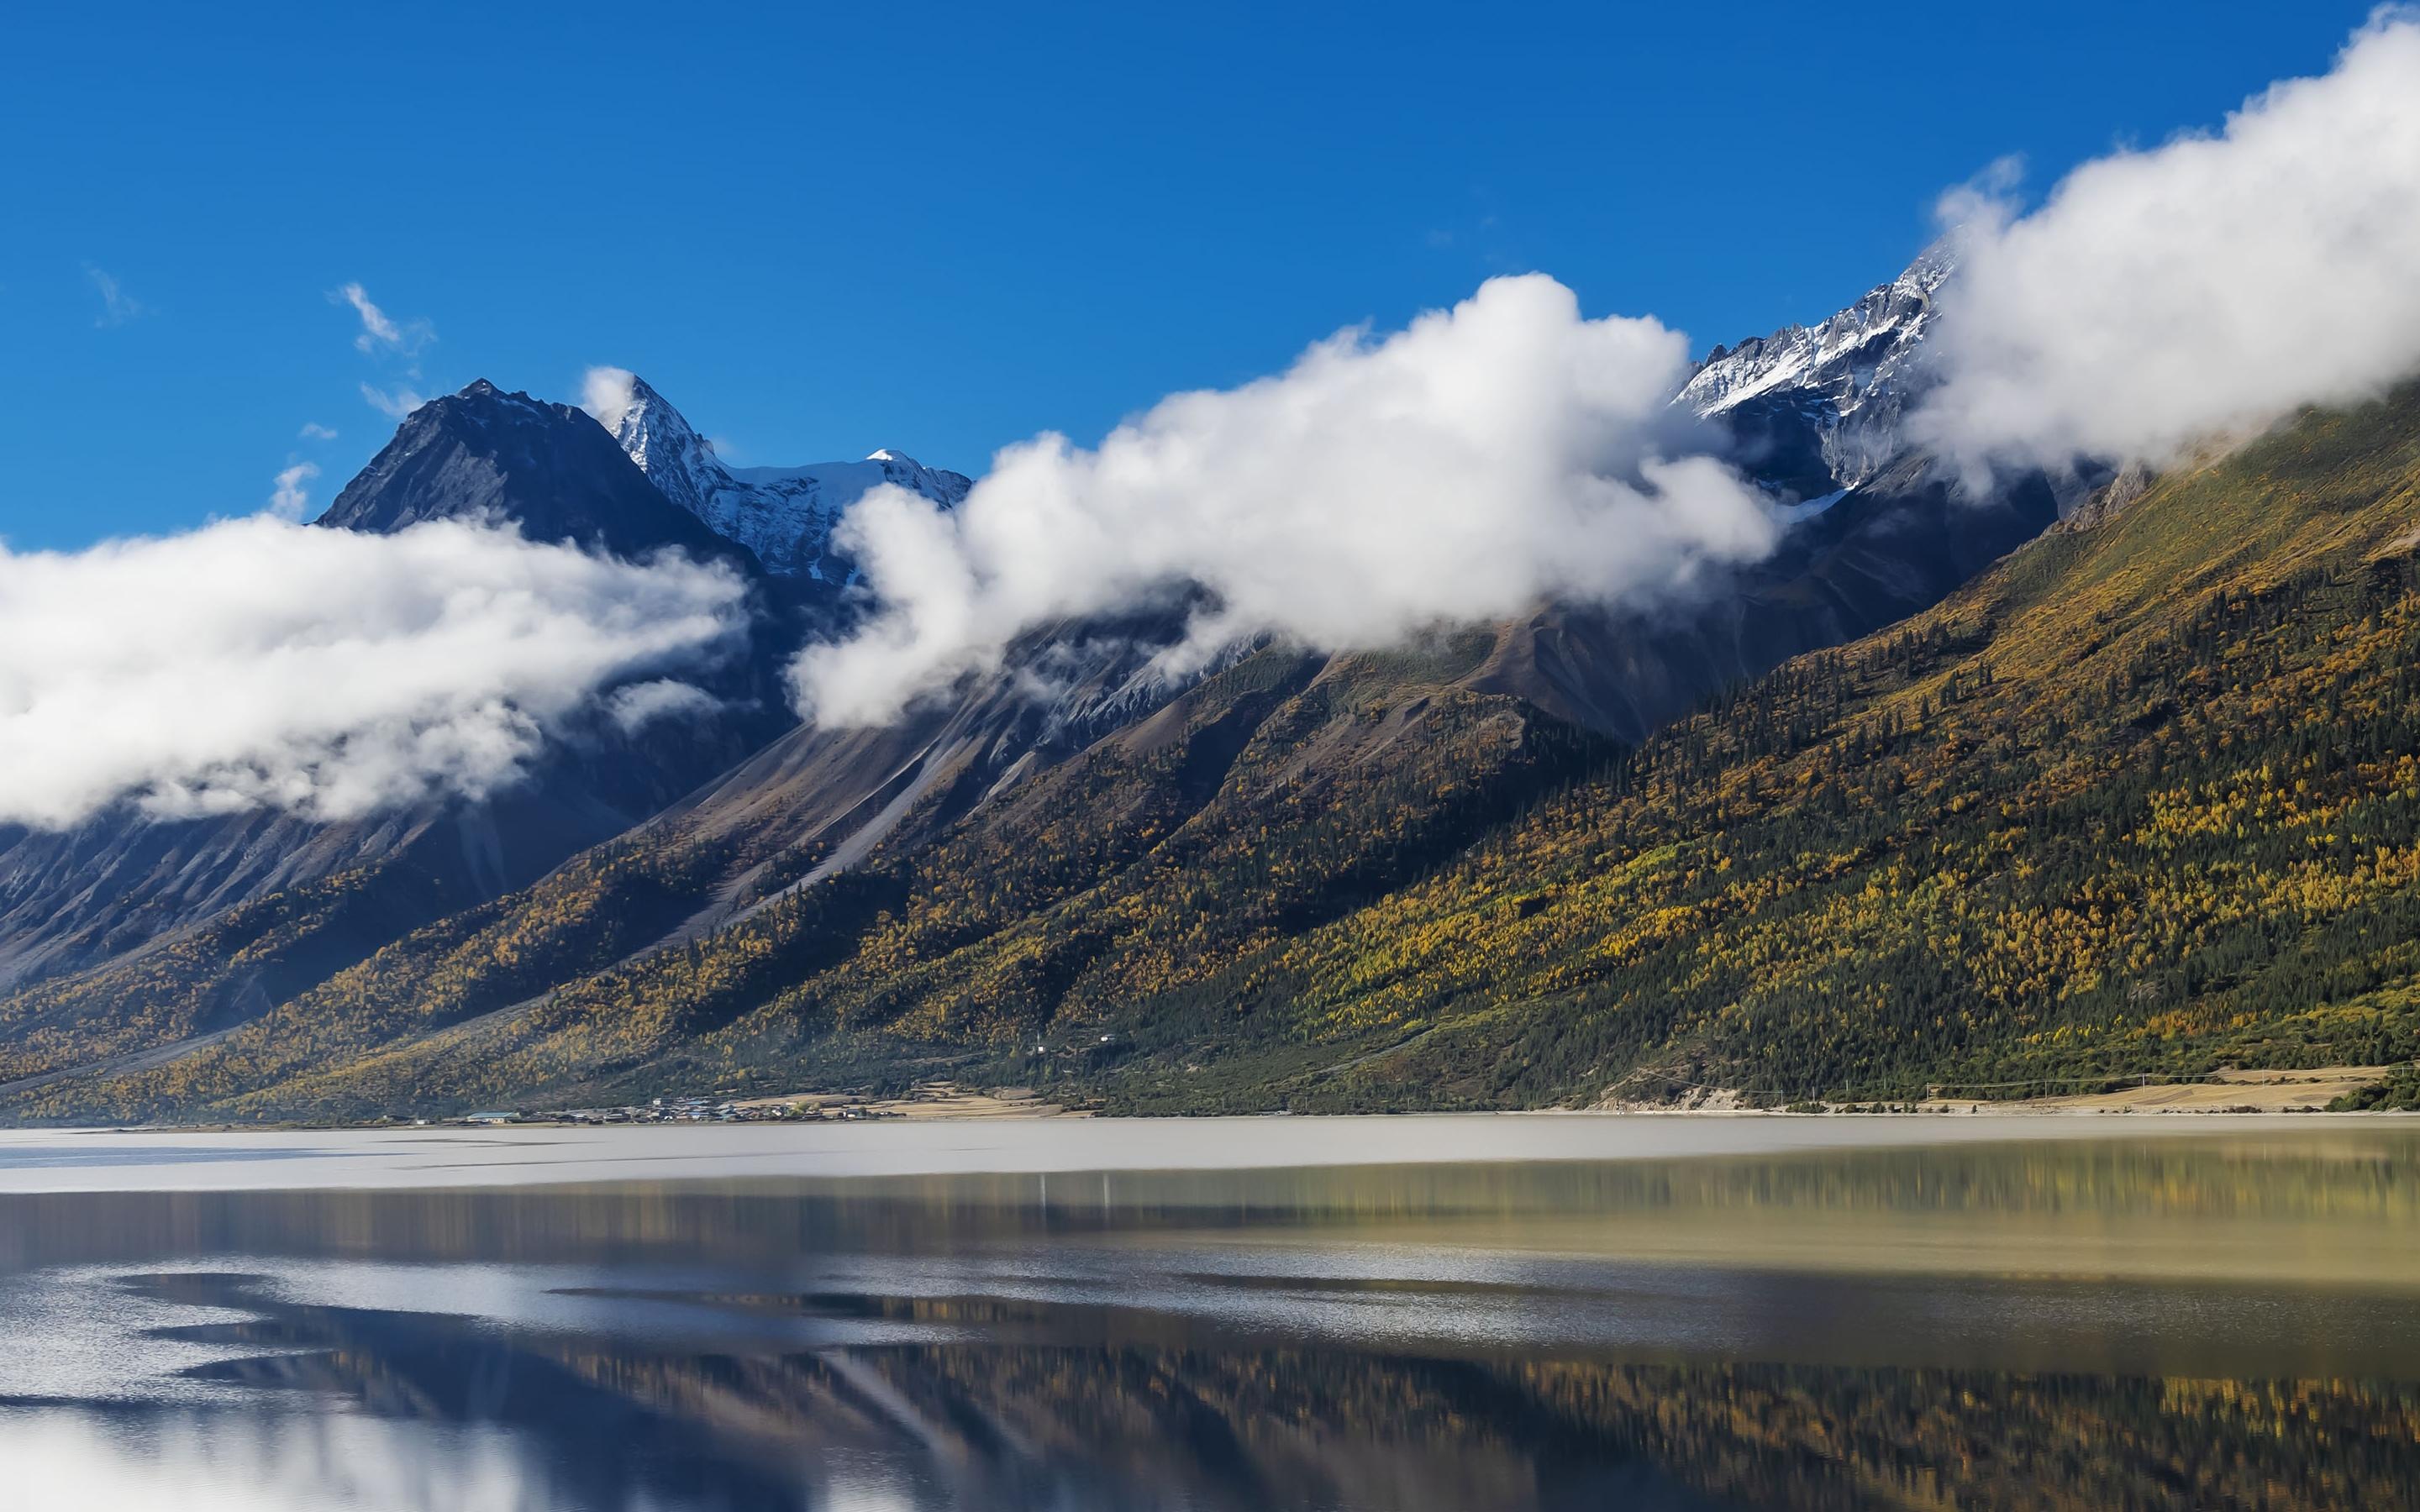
[784, 515]
[667, 448]
[1848, 378]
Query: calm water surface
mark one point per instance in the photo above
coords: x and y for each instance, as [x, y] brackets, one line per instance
[1697, 1314]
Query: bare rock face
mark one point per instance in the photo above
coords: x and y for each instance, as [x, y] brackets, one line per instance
[2110, 500]
[548, 468]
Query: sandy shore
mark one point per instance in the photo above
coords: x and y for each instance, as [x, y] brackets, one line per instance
[2226, 1091]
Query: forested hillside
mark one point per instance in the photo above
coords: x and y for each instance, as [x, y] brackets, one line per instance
[2141, 798]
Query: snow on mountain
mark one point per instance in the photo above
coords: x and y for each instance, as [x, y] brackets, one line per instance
[784, 515]
[1847, 379]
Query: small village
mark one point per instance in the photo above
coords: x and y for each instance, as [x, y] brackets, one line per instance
[926, 1100]
[683, 1110]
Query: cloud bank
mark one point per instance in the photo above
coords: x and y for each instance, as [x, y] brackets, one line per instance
[1483, 458]
[2161, 299]
[257, 663]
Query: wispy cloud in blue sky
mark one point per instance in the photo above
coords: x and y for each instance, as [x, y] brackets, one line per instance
[389, 340]
[117, 308]
[381, 334]
[393, 403]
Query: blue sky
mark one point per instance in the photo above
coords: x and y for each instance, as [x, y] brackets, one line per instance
[942, 229]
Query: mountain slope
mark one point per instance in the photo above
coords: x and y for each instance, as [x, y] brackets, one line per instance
[2141, 798]
[1887, 549]
[126, 932]
[1361, 773]
[1879, 531]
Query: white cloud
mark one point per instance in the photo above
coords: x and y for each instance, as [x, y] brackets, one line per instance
[313, 431]
[257, 663]
[377, 329]
[381, 331]
[117, 306]
[641, 704]
[605, 393]
[1483, 458]
[394, 403]
[2165, 299]
[289, 500]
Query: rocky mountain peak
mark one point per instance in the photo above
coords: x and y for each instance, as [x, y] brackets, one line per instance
[785, 516]
[490, 453]
[1822, 404]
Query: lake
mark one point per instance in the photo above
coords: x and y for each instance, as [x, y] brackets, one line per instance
[1432, 1313]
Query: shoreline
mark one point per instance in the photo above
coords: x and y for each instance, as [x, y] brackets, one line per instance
[2231, 1094]
[2232, 1091]
[566, 1156]
[2223, 1095]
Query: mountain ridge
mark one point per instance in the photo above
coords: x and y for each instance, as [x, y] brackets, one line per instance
[784, 515]
[1351, 883]
[1819, 408]
[872, 904]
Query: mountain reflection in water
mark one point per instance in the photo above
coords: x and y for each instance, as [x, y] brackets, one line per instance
[2178, 1324]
